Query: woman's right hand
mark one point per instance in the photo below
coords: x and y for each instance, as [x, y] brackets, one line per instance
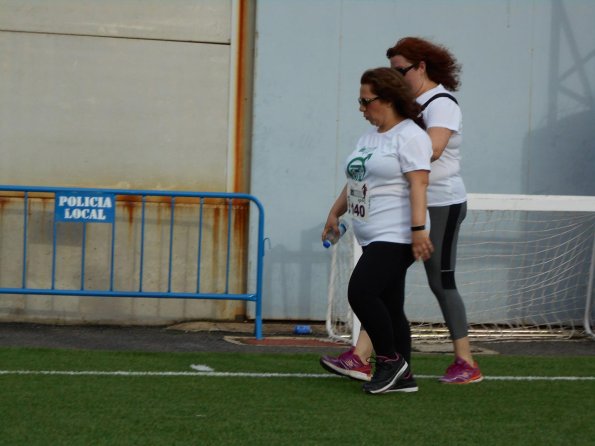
[338, 209]
[331, 225]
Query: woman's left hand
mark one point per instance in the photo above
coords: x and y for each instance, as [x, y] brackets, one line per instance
[421, 245]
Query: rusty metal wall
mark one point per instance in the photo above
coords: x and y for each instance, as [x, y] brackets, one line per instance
[186, 246]
[122, 94]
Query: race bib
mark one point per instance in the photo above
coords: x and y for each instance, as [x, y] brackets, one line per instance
[358, 200]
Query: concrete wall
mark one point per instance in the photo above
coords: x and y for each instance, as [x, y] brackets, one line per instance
[527, 98]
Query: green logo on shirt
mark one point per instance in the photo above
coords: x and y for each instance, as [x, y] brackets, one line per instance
[356, 168]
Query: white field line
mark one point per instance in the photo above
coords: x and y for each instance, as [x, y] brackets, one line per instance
[164, 374]
[129, 373]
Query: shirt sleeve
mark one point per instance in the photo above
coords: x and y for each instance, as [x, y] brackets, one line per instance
[416, 153]
[443, 112]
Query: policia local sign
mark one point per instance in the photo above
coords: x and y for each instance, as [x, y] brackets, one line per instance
[84, 207]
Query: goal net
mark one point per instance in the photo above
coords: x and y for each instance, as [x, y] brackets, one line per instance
[525, 267]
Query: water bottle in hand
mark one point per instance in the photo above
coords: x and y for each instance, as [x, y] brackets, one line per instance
[332, 237]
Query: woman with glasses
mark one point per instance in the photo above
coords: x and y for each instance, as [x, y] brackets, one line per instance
[432, 72]
[387, 176]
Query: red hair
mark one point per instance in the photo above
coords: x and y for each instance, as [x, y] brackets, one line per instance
[442, 67]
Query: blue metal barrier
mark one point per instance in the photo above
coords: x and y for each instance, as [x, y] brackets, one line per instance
[84, 206]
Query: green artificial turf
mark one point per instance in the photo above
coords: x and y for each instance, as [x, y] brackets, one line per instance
[269, 410]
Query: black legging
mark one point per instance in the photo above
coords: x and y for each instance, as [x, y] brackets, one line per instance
[377, 296]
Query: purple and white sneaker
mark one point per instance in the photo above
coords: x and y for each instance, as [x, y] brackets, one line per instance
[347, 364]
[461, 372]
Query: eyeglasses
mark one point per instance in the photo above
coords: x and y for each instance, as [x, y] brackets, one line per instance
[366, 101]
[404, 71]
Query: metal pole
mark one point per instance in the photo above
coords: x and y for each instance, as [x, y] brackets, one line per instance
[589, 300]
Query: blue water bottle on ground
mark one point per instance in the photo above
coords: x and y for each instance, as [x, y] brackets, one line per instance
[332, 238]
[302, 330]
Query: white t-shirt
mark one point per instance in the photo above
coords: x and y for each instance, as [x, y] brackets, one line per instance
[446, 184]
[376, 171]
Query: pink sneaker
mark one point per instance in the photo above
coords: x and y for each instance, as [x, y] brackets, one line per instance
[347, 364]
[460, 372]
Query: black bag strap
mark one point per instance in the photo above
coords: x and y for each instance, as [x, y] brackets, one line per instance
[439, 95]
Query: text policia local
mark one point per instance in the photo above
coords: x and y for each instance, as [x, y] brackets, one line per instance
[85, 207]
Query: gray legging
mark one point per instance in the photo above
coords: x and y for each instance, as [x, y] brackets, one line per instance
[440, 268]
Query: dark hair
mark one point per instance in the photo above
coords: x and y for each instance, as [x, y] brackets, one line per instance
[390, 86]
[442, 67]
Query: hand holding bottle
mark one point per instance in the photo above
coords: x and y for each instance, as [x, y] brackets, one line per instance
[333, 231]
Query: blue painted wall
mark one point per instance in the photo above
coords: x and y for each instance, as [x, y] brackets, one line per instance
[527, 97]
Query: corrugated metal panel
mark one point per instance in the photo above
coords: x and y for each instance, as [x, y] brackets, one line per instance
[113, 112]
[196, 21]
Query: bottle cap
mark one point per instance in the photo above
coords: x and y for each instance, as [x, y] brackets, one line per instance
[326, 244]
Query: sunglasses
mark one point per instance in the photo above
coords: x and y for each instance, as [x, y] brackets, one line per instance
[366, 101]
[404, 71]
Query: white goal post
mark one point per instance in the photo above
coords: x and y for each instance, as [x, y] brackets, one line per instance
[525, 269]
